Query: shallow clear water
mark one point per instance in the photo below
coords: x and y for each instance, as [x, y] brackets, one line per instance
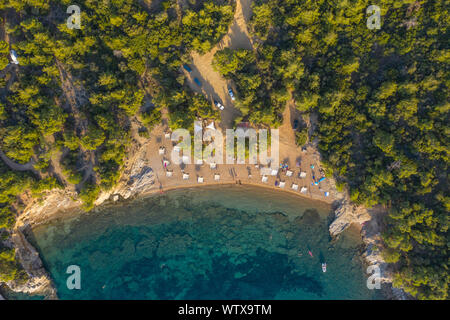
[231, 242]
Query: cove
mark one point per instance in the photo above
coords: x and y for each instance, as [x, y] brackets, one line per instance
[215, 242]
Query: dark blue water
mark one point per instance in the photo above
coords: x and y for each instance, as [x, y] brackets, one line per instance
[230, 242]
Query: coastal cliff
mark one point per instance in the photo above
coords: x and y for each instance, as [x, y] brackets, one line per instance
[39, 282]
[137, 180]
[370, 220]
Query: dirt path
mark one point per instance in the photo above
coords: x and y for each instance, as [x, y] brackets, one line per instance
[3, 34]
[56, 168]
[76, 97]
[17, 166]
[214, 86]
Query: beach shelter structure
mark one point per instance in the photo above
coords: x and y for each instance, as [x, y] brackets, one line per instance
[217, 177]
[274, 172]
[185, 159]
[162, 150]
[294, 186]
[303, 189]
[264, 178]
[167, 135]
[289, 173]
[200, 180]
[212, 165]
[185, 176]
[199, 161]
[282, 184]
[169, 173]
[302, 175]
[176, 149]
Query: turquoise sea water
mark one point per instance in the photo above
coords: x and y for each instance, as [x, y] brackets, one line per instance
[232, 242]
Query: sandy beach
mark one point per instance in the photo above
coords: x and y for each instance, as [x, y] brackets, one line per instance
[245, 174]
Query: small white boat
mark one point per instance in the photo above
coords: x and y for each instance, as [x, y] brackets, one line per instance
[324, 267]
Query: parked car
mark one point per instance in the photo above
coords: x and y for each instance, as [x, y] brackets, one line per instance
[218, 105]
[13, 55]
[295, 125]
[197, 82]
[187, 68]
[230, 92]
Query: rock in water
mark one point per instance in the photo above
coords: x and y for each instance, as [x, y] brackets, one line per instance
[345, 215]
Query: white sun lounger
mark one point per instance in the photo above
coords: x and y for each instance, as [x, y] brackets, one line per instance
[211, 126]
[217, 177]
[282, 184]
[289, 173]
[185, 176]
[264, 179]
[303, 190]
[199, 161]
[200, 180]
[294, 186]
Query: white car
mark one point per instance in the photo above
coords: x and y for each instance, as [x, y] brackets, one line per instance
[218, 105]
[13, 55]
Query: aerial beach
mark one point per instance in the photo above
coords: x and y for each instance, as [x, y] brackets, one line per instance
[138, 183]
[145, 169]
[325, 122]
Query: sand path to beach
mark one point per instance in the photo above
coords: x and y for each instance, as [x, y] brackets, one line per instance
[214, 86]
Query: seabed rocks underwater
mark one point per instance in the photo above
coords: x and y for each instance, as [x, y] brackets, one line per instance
[182, 246]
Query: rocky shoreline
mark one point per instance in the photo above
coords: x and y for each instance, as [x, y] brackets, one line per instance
[370, 221]
[54, 204]
[40, 282]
